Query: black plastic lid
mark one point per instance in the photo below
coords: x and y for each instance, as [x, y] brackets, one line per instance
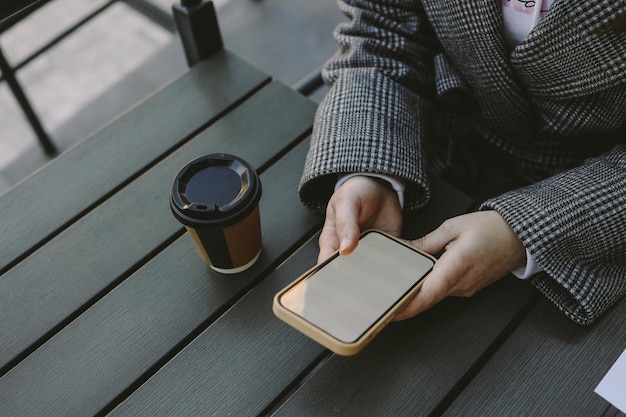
[215, 190]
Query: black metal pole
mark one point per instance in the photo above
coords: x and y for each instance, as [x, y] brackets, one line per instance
[61, 36]
[198, 28]
[20, 96]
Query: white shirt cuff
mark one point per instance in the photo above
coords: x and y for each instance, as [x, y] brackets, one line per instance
[529, 269]
[397, 184]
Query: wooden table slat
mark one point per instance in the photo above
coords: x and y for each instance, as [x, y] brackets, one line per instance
[80, 177]
[412, 366]
[549, 366]
[106, 307]
[249, 344]
[64, 276]
[147, 316]
[239, 365]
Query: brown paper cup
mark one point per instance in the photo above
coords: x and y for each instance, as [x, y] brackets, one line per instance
[217, 198]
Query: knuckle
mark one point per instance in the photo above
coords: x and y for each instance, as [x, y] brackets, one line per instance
[449, 225]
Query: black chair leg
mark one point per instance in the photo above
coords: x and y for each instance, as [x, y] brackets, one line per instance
[199, 31]
[9, 76]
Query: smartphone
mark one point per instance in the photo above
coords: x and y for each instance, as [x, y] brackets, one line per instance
[344, 301]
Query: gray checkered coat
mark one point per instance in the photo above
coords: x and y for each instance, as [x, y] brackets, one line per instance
[422, 88]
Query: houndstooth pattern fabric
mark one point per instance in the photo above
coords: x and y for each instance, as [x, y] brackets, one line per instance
[427, 87]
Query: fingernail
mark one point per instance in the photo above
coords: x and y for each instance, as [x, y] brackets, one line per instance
[343, 245]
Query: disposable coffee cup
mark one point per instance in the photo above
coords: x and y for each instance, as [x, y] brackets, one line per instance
[216, 197]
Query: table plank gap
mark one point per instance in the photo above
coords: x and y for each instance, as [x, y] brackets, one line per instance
[301, 238]
[249, 344]
[80, 178]
[411, 366]
[612, 411]
[11, 363]
[144, 322]
[133, 177]
[288, 148]
[211, 319]
[548, 366]
[232, 351]
[73, 257]
[308, 373]
[488, 353]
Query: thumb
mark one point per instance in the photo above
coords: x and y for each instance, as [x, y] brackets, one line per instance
[347, 227]
[434, 242]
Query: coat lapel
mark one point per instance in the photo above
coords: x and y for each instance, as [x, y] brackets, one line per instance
[577, 49]
[471, 35]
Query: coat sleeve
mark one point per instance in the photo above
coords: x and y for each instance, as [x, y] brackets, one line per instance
[574, 225]
[370, 121]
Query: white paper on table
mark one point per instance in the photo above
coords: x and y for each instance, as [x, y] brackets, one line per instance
[613, 386]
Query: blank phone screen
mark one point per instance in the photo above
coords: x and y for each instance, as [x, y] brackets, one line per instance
[350, 293]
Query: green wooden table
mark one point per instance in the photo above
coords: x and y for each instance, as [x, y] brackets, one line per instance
[106, 308]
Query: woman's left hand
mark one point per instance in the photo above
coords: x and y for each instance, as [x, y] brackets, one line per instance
[476, 249]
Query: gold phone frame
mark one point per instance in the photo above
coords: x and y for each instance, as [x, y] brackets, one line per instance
[324, 338]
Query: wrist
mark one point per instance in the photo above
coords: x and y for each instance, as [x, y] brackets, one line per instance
[396, 183]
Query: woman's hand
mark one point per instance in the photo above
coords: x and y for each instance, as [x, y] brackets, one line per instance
[477, 249]
[360, 203]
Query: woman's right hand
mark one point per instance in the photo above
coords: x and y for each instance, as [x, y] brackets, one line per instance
[360, 203]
